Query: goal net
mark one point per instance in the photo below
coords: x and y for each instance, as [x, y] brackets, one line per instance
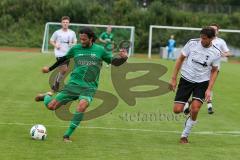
[121, 34]
[159, 35]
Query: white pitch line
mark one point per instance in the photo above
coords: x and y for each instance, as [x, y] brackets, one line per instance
[217, 133]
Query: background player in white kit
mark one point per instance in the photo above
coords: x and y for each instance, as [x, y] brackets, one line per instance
[199, 61]
[62, 40]
[222, 46]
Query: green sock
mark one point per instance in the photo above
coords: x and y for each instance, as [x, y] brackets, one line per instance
[78, 116]
[47, 100]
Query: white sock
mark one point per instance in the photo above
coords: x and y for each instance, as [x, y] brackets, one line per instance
[59, 77]
[189, 124]
[209, 105]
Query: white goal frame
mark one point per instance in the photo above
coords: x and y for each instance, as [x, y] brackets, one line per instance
[46, 33]
[178, 28]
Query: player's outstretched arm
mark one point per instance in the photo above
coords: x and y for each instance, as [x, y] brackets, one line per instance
[55, 65]
[121, 58]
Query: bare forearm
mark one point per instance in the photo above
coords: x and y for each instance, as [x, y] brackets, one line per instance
[177, 67]
[213, 77]
[173, 81]
[53, 44]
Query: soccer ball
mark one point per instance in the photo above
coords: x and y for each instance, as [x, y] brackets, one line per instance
[38, 132]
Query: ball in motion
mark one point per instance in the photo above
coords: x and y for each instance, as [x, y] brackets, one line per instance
[38, 132]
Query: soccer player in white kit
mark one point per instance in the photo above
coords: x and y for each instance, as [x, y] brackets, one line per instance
[62, 40]
[198, 61]
[220, 44]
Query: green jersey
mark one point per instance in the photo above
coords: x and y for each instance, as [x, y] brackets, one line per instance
[88, 62]
[108, 38]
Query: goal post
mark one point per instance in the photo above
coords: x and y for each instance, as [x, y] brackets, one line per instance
[186, 33]
[121, 33]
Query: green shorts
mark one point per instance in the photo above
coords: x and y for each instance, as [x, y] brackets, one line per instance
[65, 98]
[75, 92]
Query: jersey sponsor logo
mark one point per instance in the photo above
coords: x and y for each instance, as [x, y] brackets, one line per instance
[204, 64]
[88, 63]
[93, 55]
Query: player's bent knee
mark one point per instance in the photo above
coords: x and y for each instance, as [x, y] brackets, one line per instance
[64, 71]
[83, 104]
[178, 108]
[81, 108]
[196, 105]
[52, 105]
[195, 110]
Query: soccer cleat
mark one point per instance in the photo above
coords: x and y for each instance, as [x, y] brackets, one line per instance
[210, 110]
[186, 109]
[183, 140]
[40, 97]
[66, 139]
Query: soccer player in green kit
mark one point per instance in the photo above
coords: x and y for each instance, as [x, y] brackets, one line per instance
[107, 38]
[84, 78]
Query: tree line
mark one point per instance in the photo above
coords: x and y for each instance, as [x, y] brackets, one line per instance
[23, 20]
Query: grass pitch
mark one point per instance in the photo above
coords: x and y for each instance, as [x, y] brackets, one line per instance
[120, 134]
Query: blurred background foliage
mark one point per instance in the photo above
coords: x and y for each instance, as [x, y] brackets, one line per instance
[22, 21]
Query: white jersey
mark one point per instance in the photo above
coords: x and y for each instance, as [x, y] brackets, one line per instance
[65, 39]
[199, 61]
[220, 44]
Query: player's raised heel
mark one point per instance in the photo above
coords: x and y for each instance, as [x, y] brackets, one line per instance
[40, 97]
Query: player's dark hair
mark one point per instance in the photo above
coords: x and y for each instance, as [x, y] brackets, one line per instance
[208, 31]
[89, 32]
[65, 18]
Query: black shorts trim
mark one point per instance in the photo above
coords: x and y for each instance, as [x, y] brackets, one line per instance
[198, 99]
[180, 102]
